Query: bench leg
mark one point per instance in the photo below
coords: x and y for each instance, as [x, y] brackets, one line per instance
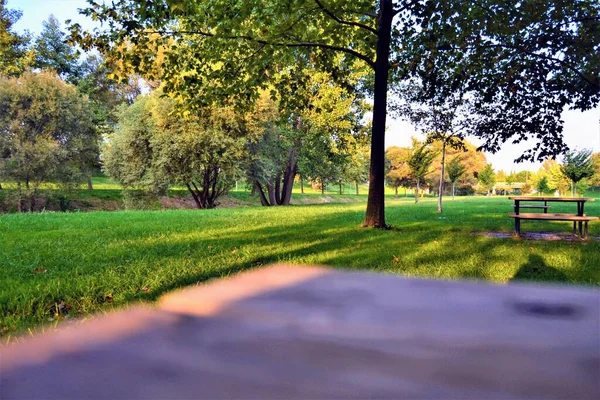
[518, 226]
[585, 232]
[580, 229]
[575, 228]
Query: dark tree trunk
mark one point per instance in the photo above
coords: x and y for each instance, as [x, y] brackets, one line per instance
[322, 188]
[301, 185]
[441, 188]
[89, 183]
[194, 196]
[271, 193]
[357, 188]
[0, 186]
[261, 193]
[396, 191]
[453, 189]
[341, 191]
[288, 177]
[375, 215]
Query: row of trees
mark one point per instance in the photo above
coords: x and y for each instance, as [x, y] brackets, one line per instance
[425, 164]
[319, 136]
[513, 66]
[54, 109]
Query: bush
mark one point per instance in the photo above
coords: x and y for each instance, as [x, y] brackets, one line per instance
[140, 200]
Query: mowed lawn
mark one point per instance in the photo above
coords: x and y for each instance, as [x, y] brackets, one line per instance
[56, 266]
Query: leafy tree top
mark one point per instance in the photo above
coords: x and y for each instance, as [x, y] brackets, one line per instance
[578, 165]
[53, 52]
[13, 46]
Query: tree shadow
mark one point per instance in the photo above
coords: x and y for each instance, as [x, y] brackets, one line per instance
[536, 269]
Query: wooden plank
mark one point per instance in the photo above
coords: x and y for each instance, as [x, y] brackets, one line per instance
[553, 217]
[530, 206]
[556, 199]
[309, 332]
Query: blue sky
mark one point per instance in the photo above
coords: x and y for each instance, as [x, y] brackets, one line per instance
[582, 129]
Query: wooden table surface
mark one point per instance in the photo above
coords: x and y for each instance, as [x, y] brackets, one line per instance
[314, 333]
[551, 198]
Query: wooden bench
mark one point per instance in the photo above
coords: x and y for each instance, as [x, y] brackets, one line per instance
[582, 220]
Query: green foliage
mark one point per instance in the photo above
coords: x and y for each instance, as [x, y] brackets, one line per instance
[578, 165]
[140, 255]
[487, 178]
[46, 133]
[542, 185]
[595, 179]
[13, 46]
[155, 148]
[455, 170]
[52, 52]
[420, 161]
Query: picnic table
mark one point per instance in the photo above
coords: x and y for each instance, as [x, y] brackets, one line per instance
[579, 219]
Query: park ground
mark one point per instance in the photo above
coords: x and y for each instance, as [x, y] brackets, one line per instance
[64, 266]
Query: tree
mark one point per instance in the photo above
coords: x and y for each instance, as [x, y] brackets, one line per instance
[224, 47]
[419, 163]
[542, 185]
[357, 169]
[46, 134]
[577, 165]
[52, 52]
[13, 46]
[154, 148]
[441, 117]
[455, 171]
[487, 178]
[595, 179]
[399, 172]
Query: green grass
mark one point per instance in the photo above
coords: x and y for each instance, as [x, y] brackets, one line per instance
[63, 265]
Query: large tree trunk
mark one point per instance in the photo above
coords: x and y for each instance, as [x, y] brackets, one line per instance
[322, 188]
[341, 192]
[396, 191]
[375, 215]
[89, 183]
[441, 188]
[354, 182]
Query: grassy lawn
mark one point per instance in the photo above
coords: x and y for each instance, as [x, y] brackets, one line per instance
[63, 265]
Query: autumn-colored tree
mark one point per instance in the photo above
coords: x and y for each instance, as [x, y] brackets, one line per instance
[398, 170]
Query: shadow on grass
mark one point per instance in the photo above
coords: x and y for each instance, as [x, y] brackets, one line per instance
[536, 269]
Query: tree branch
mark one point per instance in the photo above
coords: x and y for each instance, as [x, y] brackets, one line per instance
[341, 21]
[354, 53]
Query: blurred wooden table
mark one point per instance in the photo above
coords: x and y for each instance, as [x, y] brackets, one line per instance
[308, 333]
